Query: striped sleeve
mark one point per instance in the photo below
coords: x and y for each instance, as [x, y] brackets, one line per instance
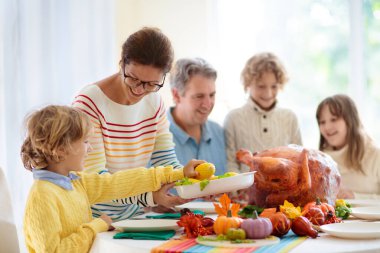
[164, 152]
[142, 200]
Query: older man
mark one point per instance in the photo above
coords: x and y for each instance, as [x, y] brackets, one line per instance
[193, 89]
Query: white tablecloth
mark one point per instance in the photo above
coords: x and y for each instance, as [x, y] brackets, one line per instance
[323, 244]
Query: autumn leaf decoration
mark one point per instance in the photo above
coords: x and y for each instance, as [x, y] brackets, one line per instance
[226, 206]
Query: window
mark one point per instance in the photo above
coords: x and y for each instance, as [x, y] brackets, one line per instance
[319, 46]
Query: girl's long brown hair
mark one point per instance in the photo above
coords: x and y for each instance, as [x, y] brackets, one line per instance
[342, 106]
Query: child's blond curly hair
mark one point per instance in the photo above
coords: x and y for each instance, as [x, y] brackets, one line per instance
[261, 63]
[50, 133]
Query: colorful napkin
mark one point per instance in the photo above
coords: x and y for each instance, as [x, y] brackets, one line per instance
[287, 243]
[153, 235]
[172, 215]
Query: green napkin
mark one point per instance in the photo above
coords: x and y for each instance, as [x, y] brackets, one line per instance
[172, 215]
[153, 235]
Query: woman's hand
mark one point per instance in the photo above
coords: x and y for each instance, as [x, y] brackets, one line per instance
[164, 199]
[189, 169]
[108, 220]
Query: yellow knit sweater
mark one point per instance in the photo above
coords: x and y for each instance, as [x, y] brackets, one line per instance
[59, 220]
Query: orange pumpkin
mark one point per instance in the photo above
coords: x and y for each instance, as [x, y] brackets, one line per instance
[223, 223]
[324, 207]
[228, 215]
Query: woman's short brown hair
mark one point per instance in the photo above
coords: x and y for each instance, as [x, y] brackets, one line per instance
[50, 131]
[148, 46]
[261, 63]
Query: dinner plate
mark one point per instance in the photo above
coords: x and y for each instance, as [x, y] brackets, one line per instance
[145, 225]
[228, 244]
[222, 185]
[367, 213]
[207, 207]
[363, 202]
[353, 230]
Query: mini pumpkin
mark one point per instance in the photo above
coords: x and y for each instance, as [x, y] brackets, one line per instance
[223, 223]
[257, 227]
[325, 207]
[228, 216]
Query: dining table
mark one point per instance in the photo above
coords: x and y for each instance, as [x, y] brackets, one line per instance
[325, 242]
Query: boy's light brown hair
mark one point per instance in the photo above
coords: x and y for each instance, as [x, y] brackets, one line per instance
[261, 63]
[50, 132]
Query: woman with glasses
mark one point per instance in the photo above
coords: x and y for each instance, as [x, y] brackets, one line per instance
[131, 128]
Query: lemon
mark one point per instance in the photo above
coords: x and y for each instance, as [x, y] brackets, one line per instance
[205, 170]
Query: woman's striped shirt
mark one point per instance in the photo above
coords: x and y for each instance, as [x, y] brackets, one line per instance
[126, 136]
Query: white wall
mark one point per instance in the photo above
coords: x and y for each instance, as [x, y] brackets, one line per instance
[188, 24]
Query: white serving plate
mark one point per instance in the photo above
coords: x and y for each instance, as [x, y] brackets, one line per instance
[367, 213]
[363, 202]
[207, 207]
[257, 242]
[223, 185]
[145, 225]
[353, 230]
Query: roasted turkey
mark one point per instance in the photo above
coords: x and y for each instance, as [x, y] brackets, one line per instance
[291, 173]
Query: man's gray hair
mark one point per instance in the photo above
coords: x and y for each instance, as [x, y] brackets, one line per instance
[186, 68]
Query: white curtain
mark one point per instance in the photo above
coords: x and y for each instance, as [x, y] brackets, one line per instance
[49, 50]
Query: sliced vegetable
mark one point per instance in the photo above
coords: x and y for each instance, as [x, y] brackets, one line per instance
[228, 174]
[190, 181]
[186, 181]
[204, 183]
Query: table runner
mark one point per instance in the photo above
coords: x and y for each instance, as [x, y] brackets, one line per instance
[286, 243]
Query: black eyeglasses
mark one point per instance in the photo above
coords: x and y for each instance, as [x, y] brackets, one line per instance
[148, 86]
